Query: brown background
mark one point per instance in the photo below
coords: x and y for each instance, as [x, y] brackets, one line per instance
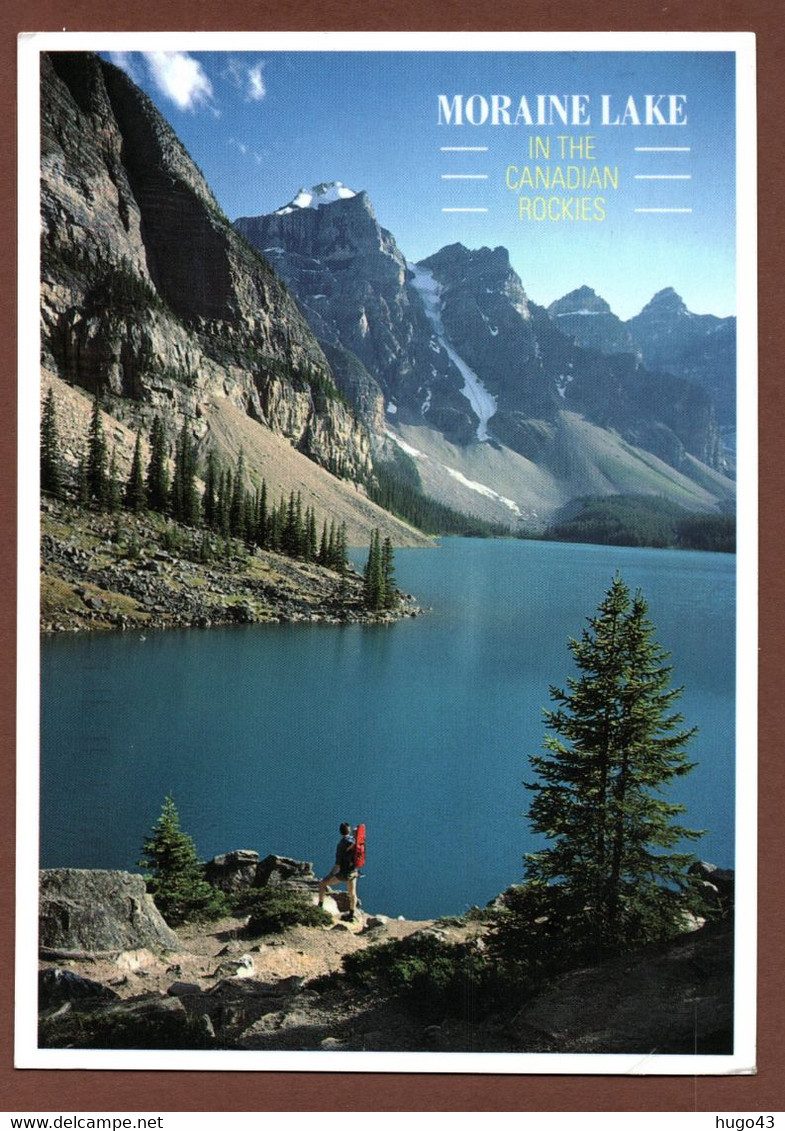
[80, 1091]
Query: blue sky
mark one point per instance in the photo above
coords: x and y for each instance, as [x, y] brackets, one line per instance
[263, 124]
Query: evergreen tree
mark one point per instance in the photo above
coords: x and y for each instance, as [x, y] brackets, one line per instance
[390, 594]
[341, 550]
[157, 470]
[311, 550]
[175, 878]
[262, 518]
[82, 484]
[249, 519]
[135, 490]
[114, 493]
[324, 555]
[237, 501]
[184, 501]
[615, 744]
[51, 466]
[224, 502]
[97, 458]
[210, 496]
[373, 575]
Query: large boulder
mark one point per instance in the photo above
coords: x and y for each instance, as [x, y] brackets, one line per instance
[723, 880]
[56, 986]
[94, 910]
[234, 871]
[281, 871]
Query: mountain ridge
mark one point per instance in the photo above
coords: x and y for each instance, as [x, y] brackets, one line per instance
[472, 359]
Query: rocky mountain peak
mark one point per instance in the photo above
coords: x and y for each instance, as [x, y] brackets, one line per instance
[456, 263]
[588, 320]
[666, 301]
[583, 300]
[700, 347]
[328, 192]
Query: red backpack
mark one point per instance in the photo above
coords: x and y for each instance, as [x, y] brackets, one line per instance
[359, 846]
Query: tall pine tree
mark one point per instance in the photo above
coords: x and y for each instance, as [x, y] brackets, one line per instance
[97, 458]
[157, 470]
[615, 745]
[135, 491]
[390, 594]
[374, 575]
[52, 479]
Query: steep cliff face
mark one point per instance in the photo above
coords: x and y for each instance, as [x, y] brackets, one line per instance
[149, 293]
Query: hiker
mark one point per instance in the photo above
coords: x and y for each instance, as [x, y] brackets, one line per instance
[344, 870]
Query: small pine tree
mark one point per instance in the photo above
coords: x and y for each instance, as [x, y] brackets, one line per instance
[97, 458]
[114, 494]
[174, 875]
[324, 553]
[135, 490]
[341, 550]
[82, 484]
[237, 502]
[184, 501]
[157, 470]
[51, 467]
[210, 496]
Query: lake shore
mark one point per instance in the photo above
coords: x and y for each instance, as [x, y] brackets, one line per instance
[138, 572]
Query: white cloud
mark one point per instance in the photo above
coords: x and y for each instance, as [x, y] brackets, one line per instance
[256, 87]
[249, 79]
[180, 78]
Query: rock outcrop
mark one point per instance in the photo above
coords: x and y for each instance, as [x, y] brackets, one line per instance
[90, 910]
[223, 988]
[242, 870]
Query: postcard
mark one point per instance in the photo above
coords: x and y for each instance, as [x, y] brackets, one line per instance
[388, 463]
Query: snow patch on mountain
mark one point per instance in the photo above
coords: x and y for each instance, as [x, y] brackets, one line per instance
[481, 489]
[584, 313]
[482, 402]
[458, 476]
[410, 451]
[316, 197]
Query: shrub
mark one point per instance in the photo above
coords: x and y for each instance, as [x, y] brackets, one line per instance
[431, 975]
[275, 909]
[113, 1029]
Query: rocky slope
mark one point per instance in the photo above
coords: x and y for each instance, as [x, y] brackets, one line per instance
[216, 986]
[149, 293]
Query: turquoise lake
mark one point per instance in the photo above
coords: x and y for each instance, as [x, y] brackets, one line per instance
[269, 736]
